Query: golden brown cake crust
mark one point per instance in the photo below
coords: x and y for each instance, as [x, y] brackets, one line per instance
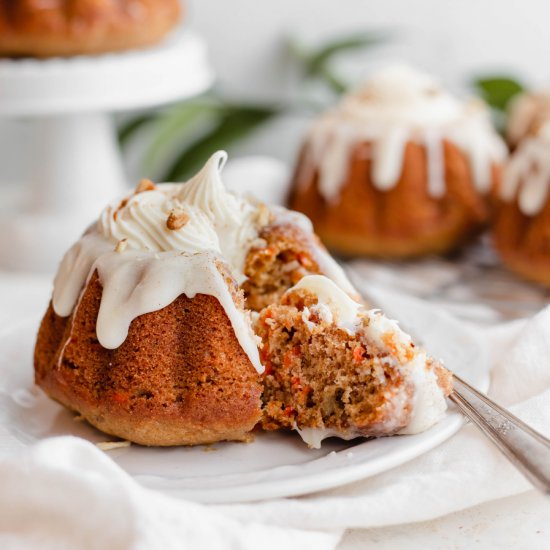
[180, 377]
[73, 27]
[523, 242]
[402, 222]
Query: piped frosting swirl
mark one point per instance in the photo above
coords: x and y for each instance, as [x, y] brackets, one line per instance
[216, 219]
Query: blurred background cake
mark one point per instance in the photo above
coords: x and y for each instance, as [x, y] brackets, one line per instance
[522, 225]
[399, 168]
[527, 113]
[41, 28]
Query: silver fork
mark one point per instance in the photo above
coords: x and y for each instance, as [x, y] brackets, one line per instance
[527, 449]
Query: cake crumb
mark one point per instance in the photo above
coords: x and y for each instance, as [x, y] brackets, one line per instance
[79, 418]
[248, 438]
[209, 448]
[111, 445]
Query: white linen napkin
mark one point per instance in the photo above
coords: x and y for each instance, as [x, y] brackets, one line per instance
[66, 493]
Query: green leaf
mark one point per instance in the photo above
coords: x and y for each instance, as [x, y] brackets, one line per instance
[316, 63]
[127, 130]
[297, 50]
[319, 59]
[497, 91]
[174, 125]
[237, 123]
[333, 81]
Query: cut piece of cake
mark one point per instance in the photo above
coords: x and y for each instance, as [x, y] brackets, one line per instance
[334, 368]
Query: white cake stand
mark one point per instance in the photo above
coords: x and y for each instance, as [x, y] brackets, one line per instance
[74, 158]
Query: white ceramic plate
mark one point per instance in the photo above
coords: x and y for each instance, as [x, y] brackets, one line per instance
[274, 465]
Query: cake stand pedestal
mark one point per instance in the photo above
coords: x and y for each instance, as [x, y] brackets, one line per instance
[75, 164]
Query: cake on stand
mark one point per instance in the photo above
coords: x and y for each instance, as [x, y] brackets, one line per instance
[74, 160]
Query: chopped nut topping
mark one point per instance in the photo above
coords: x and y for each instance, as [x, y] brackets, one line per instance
[263, 216]
[110, 445]
[121, 245]
[177, 219]
[145, 185]
[122, 204]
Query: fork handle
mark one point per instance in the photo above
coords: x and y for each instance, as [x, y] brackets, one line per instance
[527, 449]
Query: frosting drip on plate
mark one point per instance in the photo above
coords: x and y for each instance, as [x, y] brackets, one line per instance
[395, 106]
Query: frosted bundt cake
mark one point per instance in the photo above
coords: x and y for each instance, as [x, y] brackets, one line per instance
[150, 333]
[399, 168]
[521, 230]
[41, 28]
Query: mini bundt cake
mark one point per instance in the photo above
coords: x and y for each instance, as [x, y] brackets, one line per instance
[150, 334]
[398, 169]
[147, 335]
[521, 230]
[41, 28]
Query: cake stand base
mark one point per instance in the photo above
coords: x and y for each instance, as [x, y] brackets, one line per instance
[75, 170]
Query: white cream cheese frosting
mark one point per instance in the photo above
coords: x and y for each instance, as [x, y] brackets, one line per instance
[395, 106]
[526, 175]
[141, 222]
[344, 311]
[217, 219]
[428, 401]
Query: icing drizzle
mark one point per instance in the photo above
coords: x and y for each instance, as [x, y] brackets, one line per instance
[396, 106]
